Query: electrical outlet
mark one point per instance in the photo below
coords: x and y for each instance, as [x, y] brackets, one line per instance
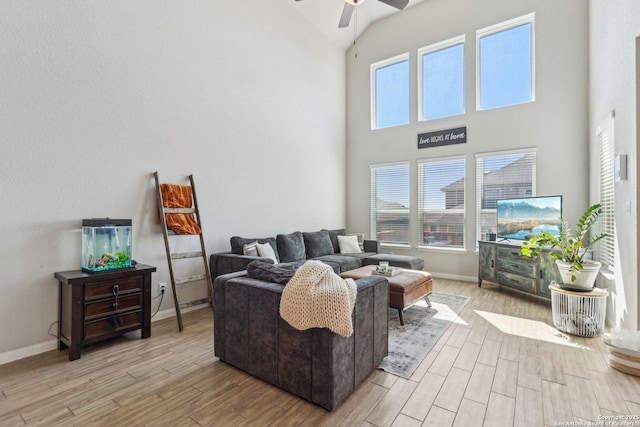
[163, 287]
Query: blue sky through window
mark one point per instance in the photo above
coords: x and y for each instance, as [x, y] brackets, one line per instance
[392, 95]
[392, 184]
[505, 67]
[443, 82]
[438, 175]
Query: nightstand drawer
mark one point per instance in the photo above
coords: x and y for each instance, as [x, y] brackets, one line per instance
[524, 283]
[106, 288]
[112, 324]
[102, 307]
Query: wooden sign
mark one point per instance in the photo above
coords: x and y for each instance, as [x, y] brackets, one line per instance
[442, 137]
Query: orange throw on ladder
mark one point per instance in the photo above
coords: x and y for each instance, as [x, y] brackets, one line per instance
[179, 196]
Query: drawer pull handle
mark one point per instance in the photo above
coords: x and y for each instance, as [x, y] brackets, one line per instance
[115, 290]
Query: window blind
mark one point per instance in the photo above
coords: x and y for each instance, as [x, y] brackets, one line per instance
[606, 144]
[441, 203]
[390, 208]
[503, 175]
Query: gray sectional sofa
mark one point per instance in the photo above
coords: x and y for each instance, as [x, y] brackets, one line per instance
[315, 364]
[298, 247]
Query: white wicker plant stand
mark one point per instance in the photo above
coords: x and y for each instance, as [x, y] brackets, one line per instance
[579, 313]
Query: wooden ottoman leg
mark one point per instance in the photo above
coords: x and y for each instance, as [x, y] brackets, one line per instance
[401, 317]
[426, 298]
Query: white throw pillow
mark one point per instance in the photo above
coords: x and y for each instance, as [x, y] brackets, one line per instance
[349, 244]
[266, 251]
[250, 249]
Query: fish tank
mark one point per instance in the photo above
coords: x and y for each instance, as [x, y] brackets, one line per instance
[106, 244]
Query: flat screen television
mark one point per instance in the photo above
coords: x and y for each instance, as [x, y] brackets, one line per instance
[525, 217]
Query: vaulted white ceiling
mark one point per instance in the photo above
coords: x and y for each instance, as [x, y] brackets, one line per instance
[325, 15]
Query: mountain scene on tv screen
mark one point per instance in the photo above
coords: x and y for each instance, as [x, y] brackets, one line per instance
[523, 219]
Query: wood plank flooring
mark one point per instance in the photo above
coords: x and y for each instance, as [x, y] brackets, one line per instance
[501, 364]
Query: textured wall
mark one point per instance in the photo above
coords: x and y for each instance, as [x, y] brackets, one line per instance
[95, 96]
[614, 75]
[556, 123]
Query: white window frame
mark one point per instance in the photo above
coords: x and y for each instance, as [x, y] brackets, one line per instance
[479, 181]
[434, 48]
[372, 88]
[606, 145]
[419, 209]
[373, 193]
[506, 25]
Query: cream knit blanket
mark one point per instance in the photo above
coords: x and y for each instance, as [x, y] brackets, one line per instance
[316, 297]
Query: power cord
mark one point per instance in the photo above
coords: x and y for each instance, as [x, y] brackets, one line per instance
[161, 296]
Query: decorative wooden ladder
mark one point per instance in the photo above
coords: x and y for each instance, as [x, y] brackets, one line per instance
[171, 257]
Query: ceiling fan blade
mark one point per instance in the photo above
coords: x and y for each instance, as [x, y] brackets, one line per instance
[346, 15]
[398, 4]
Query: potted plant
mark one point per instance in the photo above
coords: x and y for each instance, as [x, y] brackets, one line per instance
[577, 273]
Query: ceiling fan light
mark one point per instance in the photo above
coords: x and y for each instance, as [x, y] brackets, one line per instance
[354, 2]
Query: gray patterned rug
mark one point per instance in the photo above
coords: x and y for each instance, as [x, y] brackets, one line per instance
[423, 326]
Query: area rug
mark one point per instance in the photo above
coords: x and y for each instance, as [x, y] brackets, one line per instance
[423, 326]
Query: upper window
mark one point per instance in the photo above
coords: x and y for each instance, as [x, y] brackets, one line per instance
[505, 175]
[505, 63]
[441, 203]
[390, 203]
[607, 192]
[441, 70]
[390, 92]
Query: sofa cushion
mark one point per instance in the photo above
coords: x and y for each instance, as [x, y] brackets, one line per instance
[317, 243]
[291, 247]
[333, 235]
[345, 262]
[280, 273]
[349, 244]
[237, 244]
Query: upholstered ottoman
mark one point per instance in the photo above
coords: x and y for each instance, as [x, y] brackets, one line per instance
[405, 288]
[403, 261]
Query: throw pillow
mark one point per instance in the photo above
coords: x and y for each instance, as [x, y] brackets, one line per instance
[280, 273]
[237, 243]
[333, 234]
[250, 249]
[317, 243]
[266, 251]
[349, 244]
[291, 247]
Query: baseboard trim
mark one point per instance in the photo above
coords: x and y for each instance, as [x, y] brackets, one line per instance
[32, 350]
[454, 277]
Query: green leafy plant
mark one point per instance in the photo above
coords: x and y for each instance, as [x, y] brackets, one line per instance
[572, 245]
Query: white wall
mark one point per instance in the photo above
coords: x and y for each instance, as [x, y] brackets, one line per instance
[613, 86]
[556, 123]
[95, 96]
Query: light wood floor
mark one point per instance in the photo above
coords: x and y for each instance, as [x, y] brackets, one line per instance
[502, 364]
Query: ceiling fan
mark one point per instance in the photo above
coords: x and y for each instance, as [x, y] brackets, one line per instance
[349, 6]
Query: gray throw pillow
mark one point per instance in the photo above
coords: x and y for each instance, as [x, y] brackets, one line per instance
[333, 235]
[280, 273]
[291, 247]
[317, 243]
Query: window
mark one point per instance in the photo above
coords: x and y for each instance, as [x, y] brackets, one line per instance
[441, 203]
[505, 63]
[441, 71]
[502, 175]
[390, 92]
[390, 203]
[607, 220]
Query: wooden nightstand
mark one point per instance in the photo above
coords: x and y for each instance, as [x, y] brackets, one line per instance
[97, 306]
